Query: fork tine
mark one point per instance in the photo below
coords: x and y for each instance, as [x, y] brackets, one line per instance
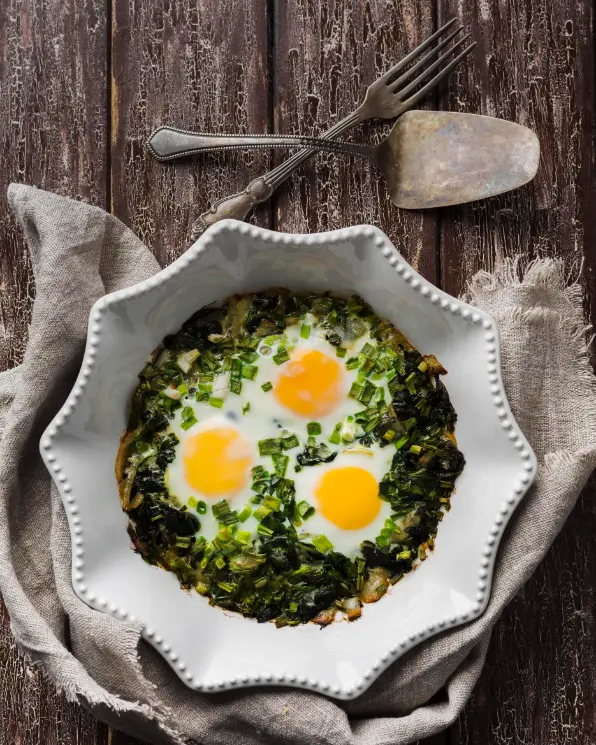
[413, 100]
[435, 50]
[430, 69]
[415, 52]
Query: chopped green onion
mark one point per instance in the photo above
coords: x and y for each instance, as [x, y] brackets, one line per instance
[382, 541]
[244, 514]
[322, 543]
[409, 423]
[416, 449]
[293, 607]
[360, 567]
[311, 442]
[261, 581]
[249, 371]
[220, 562]
[202, 588]
[226, 587]
[355, 391]
[261, 512]
[183, 388]
[220, 509]
[281, 463]
[410, 382]
[236, 386]
[352, 363]
[217, 402]
[192, 502]
[224, 534]
[305, 331]
[423, 366]
[335, 436]
[367, 349]
[272, 503]
[267, 386]
[290, 442]
[313, 428]
[242, 536]
[389, 435]
[281, 356]
[246, 408]
[185, 360]
[404, 555]
[249, 357]
[401, 442]
[201, 507]
[262, 530]
[269, 446]
[182, 541]
[341, 352]
[305, 510]
[188, 417]
[366, 392]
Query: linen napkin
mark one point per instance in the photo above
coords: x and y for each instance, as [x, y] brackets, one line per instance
[79, 253]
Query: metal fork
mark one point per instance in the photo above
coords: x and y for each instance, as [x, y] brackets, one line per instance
[386, 98]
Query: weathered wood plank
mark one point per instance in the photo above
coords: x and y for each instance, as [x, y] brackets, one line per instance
[193, 66]
[196, 66]
[31, 712]
[53, 93]
[535, 65]
[539, 683]
[325, 56]
[52, 127]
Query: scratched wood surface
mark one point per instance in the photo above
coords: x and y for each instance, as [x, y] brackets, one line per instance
[83, 84]
[535, 64]
[53, 111]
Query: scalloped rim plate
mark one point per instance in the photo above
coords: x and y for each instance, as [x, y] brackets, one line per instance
[209, 649]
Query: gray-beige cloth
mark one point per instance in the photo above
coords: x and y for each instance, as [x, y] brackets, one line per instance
[78, 254]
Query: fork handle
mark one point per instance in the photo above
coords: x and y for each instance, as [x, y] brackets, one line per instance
[236, 206]
[168, 143]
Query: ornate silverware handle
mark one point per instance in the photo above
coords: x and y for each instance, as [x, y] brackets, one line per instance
[168, 143]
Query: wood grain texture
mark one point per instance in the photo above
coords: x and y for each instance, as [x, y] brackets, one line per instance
[535, 64]
[194, 66]
[31, 712]
[325, 57]
[53, 95]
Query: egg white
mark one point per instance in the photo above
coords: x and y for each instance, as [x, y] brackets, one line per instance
[265, 419]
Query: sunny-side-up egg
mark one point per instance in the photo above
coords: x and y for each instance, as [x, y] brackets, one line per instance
[345, 495]
[215, 455]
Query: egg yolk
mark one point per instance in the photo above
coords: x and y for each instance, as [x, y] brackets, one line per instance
[216, 462]
[348, 497]
[309, 383]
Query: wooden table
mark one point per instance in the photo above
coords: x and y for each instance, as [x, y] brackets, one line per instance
[82, 84]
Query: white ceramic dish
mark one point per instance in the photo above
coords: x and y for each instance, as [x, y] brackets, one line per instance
[212, 650]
